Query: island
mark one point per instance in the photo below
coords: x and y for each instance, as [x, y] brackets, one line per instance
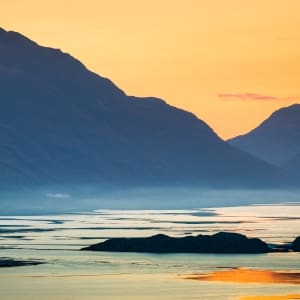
[222, 242]
[296, 244]
[10, 262]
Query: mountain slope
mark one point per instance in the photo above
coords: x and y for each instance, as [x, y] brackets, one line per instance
[61, 124]
[276, 140]
[293, 165]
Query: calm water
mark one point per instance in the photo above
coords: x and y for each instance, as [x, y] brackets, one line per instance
[71, 274]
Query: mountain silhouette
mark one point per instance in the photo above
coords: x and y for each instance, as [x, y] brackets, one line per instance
[276, 140]
[62, 124]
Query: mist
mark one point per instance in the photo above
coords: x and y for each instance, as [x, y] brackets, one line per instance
[72, 199]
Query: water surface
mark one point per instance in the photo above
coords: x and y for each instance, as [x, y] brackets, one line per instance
[72, 274]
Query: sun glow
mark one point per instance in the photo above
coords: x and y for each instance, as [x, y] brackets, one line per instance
[240, 275]
[286, 297]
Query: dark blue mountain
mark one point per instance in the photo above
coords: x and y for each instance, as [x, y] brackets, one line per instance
[276, 140]
[61, 124]
[293, 166]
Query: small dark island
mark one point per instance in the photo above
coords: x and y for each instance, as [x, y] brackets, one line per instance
[10, 262]
[223, 242]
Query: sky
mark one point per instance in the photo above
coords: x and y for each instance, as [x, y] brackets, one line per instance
[230, 62]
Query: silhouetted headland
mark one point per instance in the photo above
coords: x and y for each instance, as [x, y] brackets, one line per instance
[223, 242]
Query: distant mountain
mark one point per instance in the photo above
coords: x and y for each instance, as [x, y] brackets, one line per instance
[276, 140]
[62, 124]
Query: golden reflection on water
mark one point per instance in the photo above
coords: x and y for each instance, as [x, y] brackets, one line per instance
[240, 275]
[286, 297]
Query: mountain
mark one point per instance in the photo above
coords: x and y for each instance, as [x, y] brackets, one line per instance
[61, 124]
[293, 166]
[276, 140]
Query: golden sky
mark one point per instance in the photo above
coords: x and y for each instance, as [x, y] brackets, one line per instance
[231, 62]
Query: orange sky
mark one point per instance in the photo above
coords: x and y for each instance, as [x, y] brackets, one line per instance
[231, 62]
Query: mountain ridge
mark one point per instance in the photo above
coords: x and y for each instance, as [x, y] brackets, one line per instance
[61, 124]
[276, 140]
